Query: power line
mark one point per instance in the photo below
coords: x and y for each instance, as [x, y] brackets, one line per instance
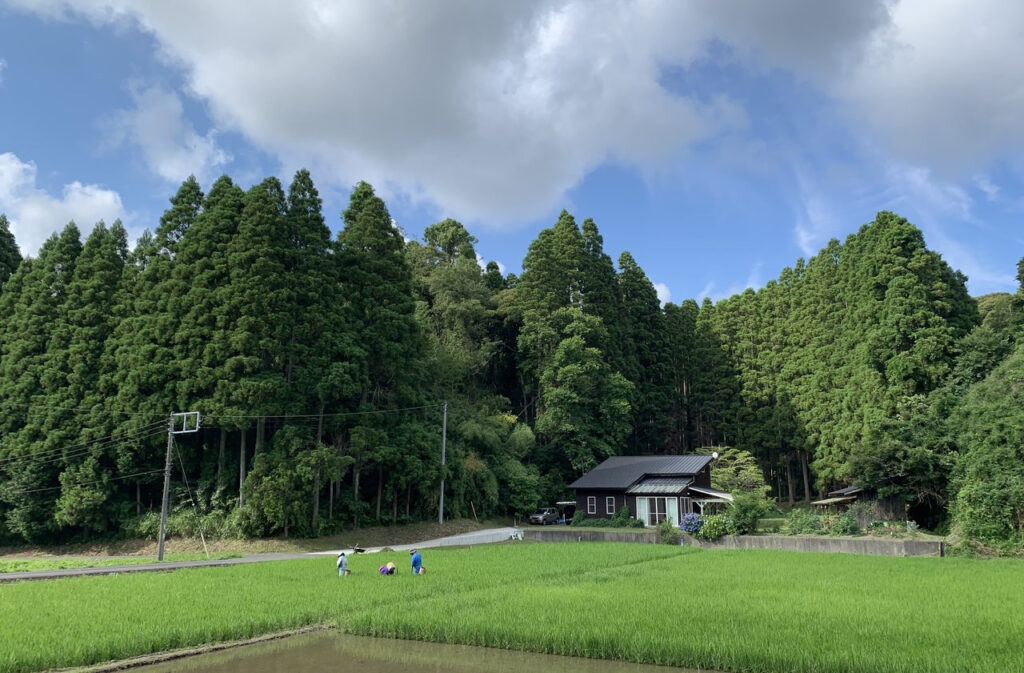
[58, 455]
[147, 431]
[217, 416]
[139, 433]
[88, 483]
[119, 410]
[77, 450]
[195, 508]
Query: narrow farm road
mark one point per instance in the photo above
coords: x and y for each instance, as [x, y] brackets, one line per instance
[476, 537]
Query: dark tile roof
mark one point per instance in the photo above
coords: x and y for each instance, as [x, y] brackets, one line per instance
[849, 490]
[620, 472]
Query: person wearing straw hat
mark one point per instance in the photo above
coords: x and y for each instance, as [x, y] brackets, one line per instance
[417, 562]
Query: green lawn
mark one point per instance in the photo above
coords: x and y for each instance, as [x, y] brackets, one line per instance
[17, 565]
[727, 610]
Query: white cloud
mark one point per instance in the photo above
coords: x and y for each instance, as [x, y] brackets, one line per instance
[481, 261]
[3, 66]
[486, 110]
[753, 282]
[34, 214]
[816, 218]
[170, 144]
[943, 80]
[664, 294]
[706, 292]
[492, 111]
[919, 189]
[989, 188]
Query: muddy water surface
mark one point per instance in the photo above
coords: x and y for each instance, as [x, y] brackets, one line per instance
[330, 651]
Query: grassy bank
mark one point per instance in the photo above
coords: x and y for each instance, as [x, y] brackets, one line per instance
[730, 610]
[24, 564]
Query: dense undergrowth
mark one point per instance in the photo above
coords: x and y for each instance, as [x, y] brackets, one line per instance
[728, 610]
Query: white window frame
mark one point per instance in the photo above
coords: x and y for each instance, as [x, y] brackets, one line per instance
[609, 504]
[591, 504]
[654, 517]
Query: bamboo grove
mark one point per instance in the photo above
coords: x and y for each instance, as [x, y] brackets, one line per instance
[319, 365]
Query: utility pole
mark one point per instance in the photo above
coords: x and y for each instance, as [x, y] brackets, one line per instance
[167, 489]
[189, 423]
[444, 441]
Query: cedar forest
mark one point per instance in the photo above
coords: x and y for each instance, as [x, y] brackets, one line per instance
[319, 366]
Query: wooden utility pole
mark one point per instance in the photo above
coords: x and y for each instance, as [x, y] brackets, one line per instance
[189, 423]
[167, 489]
[444, 442]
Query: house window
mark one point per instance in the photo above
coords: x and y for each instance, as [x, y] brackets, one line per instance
[685, 506]
[656, 511]
[609, 505]
[591, 504]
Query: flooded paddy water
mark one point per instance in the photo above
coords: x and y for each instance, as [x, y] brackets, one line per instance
[332, 651]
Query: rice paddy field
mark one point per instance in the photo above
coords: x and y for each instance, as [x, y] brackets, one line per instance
[727, 610]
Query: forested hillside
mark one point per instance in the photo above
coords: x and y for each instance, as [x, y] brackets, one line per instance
[320, 366]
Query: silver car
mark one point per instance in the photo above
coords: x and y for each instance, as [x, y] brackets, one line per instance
[544, 516]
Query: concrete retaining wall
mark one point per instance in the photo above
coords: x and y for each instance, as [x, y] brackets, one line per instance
[832, 545]
[566, 534]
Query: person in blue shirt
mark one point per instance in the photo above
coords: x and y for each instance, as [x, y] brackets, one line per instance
[342, 564]
[417, 561]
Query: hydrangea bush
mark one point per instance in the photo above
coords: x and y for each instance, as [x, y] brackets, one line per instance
[691, 523]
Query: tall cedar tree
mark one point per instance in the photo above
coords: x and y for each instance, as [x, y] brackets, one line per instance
[586, 413]
[254, 311]
[377, 295]
[552, 280]
[80, 415]
[10, 256]
[29, 375]
[602, 297]
[142, 389]
[680, 329]
[202, 273]
[651, 373]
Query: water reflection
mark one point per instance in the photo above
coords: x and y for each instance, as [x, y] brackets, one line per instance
[331, 651]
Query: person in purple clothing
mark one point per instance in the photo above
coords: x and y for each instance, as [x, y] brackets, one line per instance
[417, 561]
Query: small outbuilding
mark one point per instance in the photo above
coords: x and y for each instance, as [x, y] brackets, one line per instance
[889, 508]
[654, 488]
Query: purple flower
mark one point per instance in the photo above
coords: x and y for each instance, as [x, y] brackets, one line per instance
[691, 523]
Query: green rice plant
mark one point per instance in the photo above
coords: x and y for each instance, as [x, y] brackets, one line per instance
[773, 611]
[728, 610]
[84, 620]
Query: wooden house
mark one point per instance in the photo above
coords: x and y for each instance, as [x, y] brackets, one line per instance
[655, 488]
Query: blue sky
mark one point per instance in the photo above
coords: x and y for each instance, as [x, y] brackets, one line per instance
[717, 142]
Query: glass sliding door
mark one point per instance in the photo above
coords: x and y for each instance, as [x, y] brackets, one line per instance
[653, 511]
